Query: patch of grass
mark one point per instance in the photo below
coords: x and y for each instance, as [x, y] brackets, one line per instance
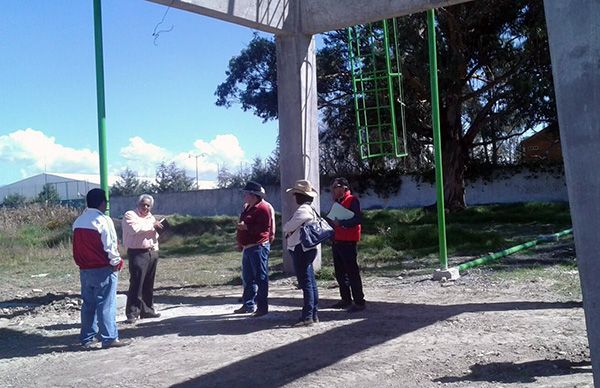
[202, 250]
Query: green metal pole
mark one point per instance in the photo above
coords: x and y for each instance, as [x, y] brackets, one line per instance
[435, 117]
[494, 256]
[100, 99]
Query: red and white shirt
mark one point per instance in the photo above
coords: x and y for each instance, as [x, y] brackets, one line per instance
[95, 240]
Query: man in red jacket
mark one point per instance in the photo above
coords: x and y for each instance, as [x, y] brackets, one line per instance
[347, 235]
[254, 234]
[95, 251]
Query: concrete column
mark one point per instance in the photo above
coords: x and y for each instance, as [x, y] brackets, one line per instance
[574, 34]
[298, 130]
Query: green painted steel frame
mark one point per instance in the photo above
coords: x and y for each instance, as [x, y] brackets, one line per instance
[383, 86]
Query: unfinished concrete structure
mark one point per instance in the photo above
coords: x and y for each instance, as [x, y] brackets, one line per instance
[574, 34]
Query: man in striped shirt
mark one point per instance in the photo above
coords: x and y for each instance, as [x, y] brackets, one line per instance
[95, 251]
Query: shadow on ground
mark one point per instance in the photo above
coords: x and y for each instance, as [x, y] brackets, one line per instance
[526, 372]
[381, 322]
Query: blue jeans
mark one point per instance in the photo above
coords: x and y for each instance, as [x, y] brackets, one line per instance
[99, 309]
[255, 277]
[303, 265]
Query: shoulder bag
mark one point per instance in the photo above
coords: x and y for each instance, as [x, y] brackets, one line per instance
[314, 232]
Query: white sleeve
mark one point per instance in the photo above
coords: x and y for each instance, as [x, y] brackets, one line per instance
[109, 241]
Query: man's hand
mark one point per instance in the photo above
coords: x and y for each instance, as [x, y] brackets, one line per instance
[158, 225]
[119, 266]
[242, 226]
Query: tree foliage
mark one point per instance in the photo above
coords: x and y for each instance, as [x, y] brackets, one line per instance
[130, 184]
[495, 84]
[48, 195]
[14, 200]
[264, 172]
[170, 178]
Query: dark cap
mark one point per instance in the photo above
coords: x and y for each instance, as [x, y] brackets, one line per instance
[340, 182]
[254, 188]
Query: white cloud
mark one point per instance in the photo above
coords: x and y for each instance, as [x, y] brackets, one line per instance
[206, 156]
[140, 150]
[223, 148]
[143, 157]
[41, 152]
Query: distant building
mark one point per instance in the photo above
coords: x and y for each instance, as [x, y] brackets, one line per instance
[68, 186]
[544, 145]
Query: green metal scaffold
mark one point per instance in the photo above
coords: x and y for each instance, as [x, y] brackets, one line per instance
[377, 85]
[375, 62]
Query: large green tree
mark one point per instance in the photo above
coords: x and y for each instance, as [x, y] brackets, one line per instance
[495, 83]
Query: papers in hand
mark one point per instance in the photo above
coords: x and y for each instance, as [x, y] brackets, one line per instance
[338, 212]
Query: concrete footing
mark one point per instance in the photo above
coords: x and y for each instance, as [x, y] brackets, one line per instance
[447, 274]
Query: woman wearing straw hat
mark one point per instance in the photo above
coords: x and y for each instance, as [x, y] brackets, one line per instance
[303, 258]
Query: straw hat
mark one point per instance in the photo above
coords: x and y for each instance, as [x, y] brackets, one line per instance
[304, 187]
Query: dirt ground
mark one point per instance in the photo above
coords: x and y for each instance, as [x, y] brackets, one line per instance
[480, 331]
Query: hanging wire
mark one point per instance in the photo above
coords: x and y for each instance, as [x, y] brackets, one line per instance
[156, 33]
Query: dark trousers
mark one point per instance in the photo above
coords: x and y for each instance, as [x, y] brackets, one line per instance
[303, 265]
[142, 271]
[347, 272]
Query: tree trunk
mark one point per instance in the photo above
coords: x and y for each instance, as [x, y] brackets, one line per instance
[454, 165]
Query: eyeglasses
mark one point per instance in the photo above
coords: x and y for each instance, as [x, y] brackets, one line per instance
[145, 205]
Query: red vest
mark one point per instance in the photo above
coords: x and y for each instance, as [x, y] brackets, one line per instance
[347, 234]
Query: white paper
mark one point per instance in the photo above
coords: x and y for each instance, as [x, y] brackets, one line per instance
[338, 212]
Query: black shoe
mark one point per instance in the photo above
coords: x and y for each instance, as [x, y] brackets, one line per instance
[356, 308]
[242, 310]
[303, 322]
[342, 304]
[116, 344]
[257, 314]
[151, 315]
[130, 320]
[316, 319]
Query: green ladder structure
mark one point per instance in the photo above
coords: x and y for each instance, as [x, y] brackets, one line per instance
[377, 85]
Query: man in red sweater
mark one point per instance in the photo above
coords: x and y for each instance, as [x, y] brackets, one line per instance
[95, 251]
[253, 239]
[344, 248]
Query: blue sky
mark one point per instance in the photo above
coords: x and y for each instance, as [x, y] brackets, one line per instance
[159, 97]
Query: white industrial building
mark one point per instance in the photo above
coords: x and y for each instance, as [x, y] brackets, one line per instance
[68, 186]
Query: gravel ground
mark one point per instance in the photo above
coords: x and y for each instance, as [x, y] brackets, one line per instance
[479, 331]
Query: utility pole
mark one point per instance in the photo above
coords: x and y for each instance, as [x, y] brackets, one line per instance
[196, 157]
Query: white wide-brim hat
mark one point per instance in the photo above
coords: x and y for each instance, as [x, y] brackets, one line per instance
[303, 187]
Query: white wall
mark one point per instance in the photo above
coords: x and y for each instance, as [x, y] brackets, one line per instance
[521, 187]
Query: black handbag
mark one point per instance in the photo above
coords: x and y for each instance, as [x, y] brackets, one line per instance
[315, 232]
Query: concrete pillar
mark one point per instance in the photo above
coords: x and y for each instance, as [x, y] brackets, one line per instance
[298, 129]
[574, 34]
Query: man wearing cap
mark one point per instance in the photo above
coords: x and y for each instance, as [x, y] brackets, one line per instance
[344, 248]
[254, 233]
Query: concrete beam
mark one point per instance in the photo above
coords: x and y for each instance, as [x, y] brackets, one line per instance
[574, 35]
[298, 130]
[264, 15]
[328, 15]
